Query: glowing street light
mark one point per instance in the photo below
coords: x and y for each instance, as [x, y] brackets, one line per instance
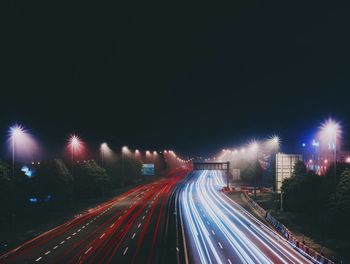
[16, 133]
[21, 145]
[104, 149]
[125, 150]
[274, 142]
[74, 144]
[330, 133]
[254, 146]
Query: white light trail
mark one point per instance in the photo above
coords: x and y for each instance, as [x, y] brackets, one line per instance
[238, 235]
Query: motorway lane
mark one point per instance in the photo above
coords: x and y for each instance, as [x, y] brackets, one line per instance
[126, 229]
[218, 230]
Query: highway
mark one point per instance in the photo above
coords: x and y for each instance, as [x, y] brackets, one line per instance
[218, 230]
[139, 226]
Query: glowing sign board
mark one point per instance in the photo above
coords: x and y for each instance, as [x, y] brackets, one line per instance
[147, 169]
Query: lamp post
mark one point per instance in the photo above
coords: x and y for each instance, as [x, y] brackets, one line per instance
[16, 132]
[254, 146]
[125, 149]
[329, 134]
[104, 147]
[74, 143]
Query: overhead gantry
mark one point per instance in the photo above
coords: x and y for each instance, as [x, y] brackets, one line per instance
[225, 166]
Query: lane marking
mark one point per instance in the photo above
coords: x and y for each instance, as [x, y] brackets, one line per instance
[143, 217]
[126, 249]
[229, 261]
[68, 237]
[111, 225]
[62, 242]
[38, 259]
[220, 245]
[78, 230]
[213, 232]
[87, 251]
[82, 227]
[139, 225]
[74, 234]
[48, 252]
[102, 235]
[133, 236]
[55, 247]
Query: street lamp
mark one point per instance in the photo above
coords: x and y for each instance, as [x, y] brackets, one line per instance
[125, 150]
[330, 133]
[16, 132]
[254, 147]
[274, 142]
[74, 143]
[104, 149]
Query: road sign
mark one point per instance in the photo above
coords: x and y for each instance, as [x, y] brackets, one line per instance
[147, 169]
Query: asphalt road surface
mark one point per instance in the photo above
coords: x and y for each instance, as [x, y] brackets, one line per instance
[218, 230]
[139, 226]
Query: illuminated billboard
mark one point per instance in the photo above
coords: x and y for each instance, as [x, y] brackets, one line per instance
[284, 167]
[147, 169]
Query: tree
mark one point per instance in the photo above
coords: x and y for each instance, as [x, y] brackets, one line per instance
[53, 179]
[90, 179]
[339, 204]
[301, 191]
[299, 169]
[5, 183]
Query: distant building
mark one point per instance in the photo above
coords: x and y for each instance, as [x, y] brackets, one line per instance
[343, 156]
[319, 161]
[284, 167]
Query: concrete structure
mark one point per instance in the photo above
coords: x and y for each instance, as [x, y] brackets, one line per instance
[284, 167]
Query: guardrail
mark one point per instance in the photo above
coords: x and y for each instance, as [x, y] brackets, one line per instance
[299, 246]
[308, 252]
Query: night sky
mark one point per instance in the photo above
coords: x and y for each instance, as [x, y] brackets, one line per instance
[192, 77]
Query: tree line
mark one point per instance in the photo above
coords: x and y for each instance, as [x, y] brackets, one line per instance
[327, 197]
[56, 184]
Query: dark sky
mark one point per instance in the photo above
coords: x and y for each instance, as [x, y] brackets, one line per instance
[193, 77]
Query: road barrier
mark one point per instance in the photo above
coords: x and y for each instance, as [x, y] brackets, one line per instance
[248, 189]
[299, 246]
